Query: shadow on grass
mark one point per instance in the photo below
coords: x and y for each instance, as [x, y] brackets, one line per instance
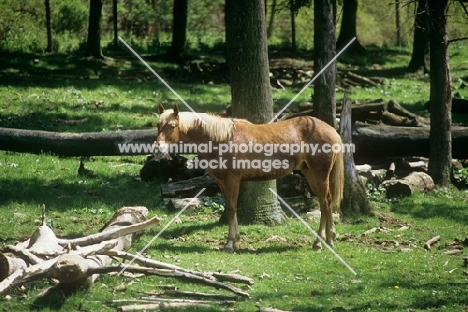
[432, 206]
[59, 195]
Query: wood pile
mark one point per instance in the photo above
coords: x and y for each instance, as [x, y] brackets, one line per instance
[76, 262]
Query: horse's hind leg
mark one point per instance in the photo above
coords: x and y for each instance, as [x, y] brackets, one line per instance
[319, 184]
[230, 189]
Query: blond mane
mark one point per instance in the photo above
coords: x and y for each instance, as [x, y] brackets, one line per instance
[216, 128]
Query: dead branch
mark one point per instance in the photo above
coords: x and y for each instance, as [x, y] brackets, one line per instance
[198, 279]
[161, 306]
[234, 278]
[433, 240]
[110, 234]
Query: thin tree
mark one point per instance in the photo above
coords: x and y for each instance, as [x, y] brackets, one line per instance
[50, 47]
[93, 44]
[420, 38]
[251, 97]
[324, 51]
[348, 28]
[115, 22]
[440, 153]
[179, 30]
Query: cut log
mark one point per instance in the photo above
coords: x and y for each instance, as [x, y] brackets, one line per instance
[397, 120]
[74, 144]
[373, 143]
[361, 80]
[180, 203]
[191, 187]
[415, 181]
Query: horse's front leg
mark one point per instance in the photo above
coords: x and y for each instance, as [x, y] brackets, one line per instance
[230, 189]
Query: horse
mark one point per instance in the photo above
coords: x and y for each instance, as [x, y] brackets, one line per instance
[236, 150]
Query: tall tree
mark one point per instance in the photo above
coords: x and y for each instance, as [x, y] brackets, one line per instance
[251, 97]
[348, 28]
[440, 153]
[420, 38]
[179, 30]
[324, 51]
[93, 44]
[50, 47]
[115, 22]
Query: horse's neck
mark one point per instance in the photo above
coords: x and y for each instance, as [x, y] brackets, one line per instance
[194, 136]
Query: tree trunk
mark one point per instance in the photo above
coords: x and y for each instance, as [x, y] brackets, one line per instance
[440, 155]
[293, 27]
[324, 51]
[93, 45]
[115, 22]
[348, 28]
[50, 47]
[179, 30]
[251, 97]
[271, 22]
[397, 23]
[420, 38]
[354, 193]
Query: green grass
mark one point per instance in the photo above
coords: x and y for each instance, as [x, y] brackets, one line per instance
[121, 94]
[288, 274]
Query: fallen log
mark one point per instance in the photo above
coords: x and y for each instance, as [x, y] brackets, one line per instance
[371, 141]
[415, 181]
[74, 144]
[374, 142]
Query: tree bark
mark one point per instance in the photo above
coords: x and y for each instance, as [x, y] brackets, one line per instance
[74, 144]
[348, 28]
[377, 142]
[179, 30]
[440, 156]
[354, 193]
[271, 22]
[324, 51]
[415, 181]
[292, 14]
[420, 38]
[93, 44]
[251, 97]
[50, 47]
[115, 22]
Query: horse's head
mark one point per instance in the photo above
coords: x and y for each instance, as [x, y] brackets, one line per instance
[168, 127]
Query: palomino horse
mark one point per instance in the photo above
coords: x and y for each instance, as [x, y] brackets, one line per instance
[236, 150]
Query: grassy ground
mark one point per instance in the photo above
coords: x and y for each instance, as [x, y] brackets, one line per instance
[394, 272]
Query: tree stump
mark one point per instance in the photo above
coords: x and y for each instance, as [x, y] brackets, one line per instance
[354, 195]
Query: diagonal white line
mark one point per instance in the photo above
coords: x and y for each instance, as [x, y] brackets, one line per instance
[160, 232]
[313, 232]
[313, 79]
[162, 80]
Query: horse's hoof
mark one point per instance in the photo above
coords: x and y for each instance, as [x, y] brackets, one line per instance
[317, 247]
[229, 247]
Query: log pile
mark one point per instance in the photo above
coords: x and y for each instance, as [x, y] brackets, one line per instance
[76, 262]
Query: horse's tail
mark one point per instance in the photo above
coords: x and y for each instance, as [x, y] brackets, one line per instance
[337, 181]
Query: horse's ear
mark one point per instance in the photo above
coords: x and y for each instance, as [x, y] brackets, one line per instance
[161, 108]
[176, 110]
